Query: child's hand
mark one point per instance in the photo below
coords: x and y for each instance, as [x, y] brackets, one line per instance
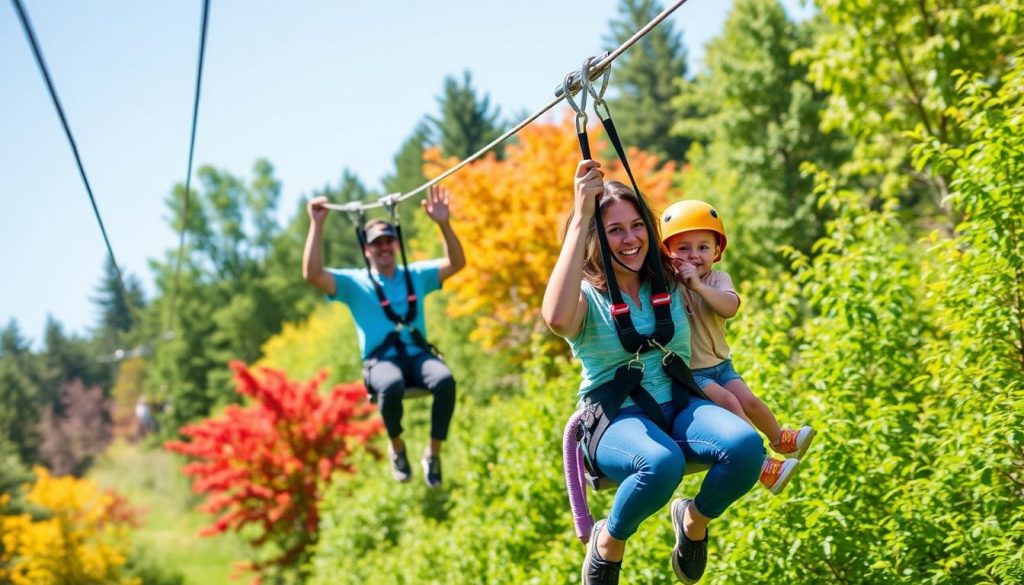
[687, 273]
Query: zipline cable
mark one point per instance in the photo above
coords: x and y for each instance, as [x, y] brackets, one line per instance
[188, 173]
[41, 63]
[573, 85]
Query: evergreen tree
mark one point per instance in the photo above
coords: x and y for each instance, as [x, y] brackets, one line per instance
[20, 400]
[466, 123]
[238, 285]
[645, 79]
[760, 121]
[116, 312]
[408, 173]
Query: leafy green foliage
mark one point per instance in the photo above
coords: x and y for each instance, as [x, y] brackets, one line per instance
[890, 69]
[759, 121]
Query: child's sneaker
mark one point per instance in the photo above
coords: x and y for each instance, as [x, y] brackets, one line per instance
[776, 473]
[794, 443]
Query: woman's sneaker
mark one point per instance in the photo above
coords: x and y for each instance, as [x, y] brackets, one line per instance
[597, 571]
[689, 557]
[400, 469]
[776, 473]
[793, 443]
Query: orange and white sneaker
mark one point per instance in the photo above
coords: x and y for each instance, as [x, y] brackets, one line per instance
[794, 443]
[776, 473]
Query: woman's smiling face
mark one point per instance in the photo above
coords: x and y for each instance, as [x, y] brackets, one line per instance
[627, 234]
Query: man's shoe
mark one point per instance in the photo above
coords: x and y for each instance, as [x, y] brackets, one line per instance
[776, 473]
[597, 571]
[794, 443]
[400, 469]
[431, 470]
[689, 557]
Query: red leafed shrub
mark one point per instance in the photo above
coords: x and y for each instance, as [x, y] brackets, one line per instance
[263, 465]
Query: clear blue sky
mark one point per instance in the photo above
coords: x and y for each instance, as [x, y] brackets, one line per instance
[313, 86]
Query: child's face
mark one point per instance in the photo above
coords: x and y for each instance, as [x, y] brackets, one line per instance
[699, 248]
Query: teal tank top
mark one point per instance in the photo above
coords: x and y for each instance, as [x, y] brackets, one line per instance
[597, 344]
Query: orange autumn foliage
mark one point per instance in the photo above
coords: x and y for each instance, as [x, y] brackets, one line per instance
[84, 540]
[509, 215]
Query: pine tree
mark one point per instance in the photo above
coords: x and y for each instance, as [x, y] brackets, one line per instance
[645, 79]
[466, 123]
[116, 317]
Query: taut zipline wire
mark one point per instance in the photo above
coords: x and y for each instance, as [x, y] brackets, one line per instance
[26, 25]
[573, 85]
[188, 174]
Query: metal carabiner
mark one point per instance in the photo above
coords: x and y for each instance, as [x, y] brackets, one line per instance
[355, 212]
[390, 203]
[605, 73]
[581, 112]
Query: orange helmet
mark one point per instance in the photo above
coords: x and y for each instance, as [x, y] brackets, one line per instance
[691, 215]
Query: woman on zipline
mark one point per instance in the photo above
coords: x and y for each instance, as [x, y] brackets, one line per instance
[645, 434]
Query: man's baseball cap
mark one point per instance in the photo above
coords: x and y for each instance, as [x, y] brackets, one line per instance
[380, 229]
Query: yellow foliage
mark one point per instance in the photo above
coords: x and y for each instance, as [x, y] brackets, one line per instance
[83, 541]
[326, 339]
[509, 214]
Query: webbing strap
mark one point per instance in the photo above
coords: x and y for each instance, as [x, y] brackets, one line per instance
[385, 304]
[632, 341]
[663, 325]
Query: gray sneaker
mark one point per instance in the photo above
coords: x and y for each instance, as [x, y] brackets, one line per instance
[431, 470]
[400, 469]
[689, 557]
[597, 571]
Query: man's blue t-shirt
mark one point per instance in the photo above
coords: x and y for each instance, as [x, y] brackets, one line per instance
[354, 288]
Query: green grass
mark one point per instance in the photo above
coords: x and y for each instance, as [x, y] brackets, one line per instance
[151, 479]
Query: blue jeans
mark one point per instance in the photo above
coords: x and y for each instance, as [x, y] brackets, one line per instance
[719, 374]
[648, 464]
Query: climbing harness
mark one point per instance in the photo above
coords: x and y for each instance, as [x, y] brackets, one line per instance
[586, 427]
[392, 340]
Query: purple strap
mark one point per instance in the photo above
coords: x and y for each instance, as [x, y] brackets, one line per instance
[575, 481]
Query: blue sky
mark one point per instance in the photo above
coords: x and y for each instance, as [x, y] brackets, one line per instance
[313, 86]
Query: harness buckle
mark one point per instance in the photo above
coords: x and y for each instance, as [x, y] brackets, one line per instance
[636, 363]
[620, 309]
[661, 299]
[385, 303]
[411, 298]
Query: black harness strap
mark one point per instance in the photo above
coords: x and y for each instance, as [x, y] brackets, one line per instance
[632, 341]
[385, 304]
[603, 403]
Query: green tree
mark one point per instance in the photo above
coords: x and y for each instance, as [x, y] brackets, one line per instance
[889, 67]
[21, 401]
[466, 123]
[64, 359]
[116, 311]
[645, 79]
[760, 121]
[408, 175]
[233, 293]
